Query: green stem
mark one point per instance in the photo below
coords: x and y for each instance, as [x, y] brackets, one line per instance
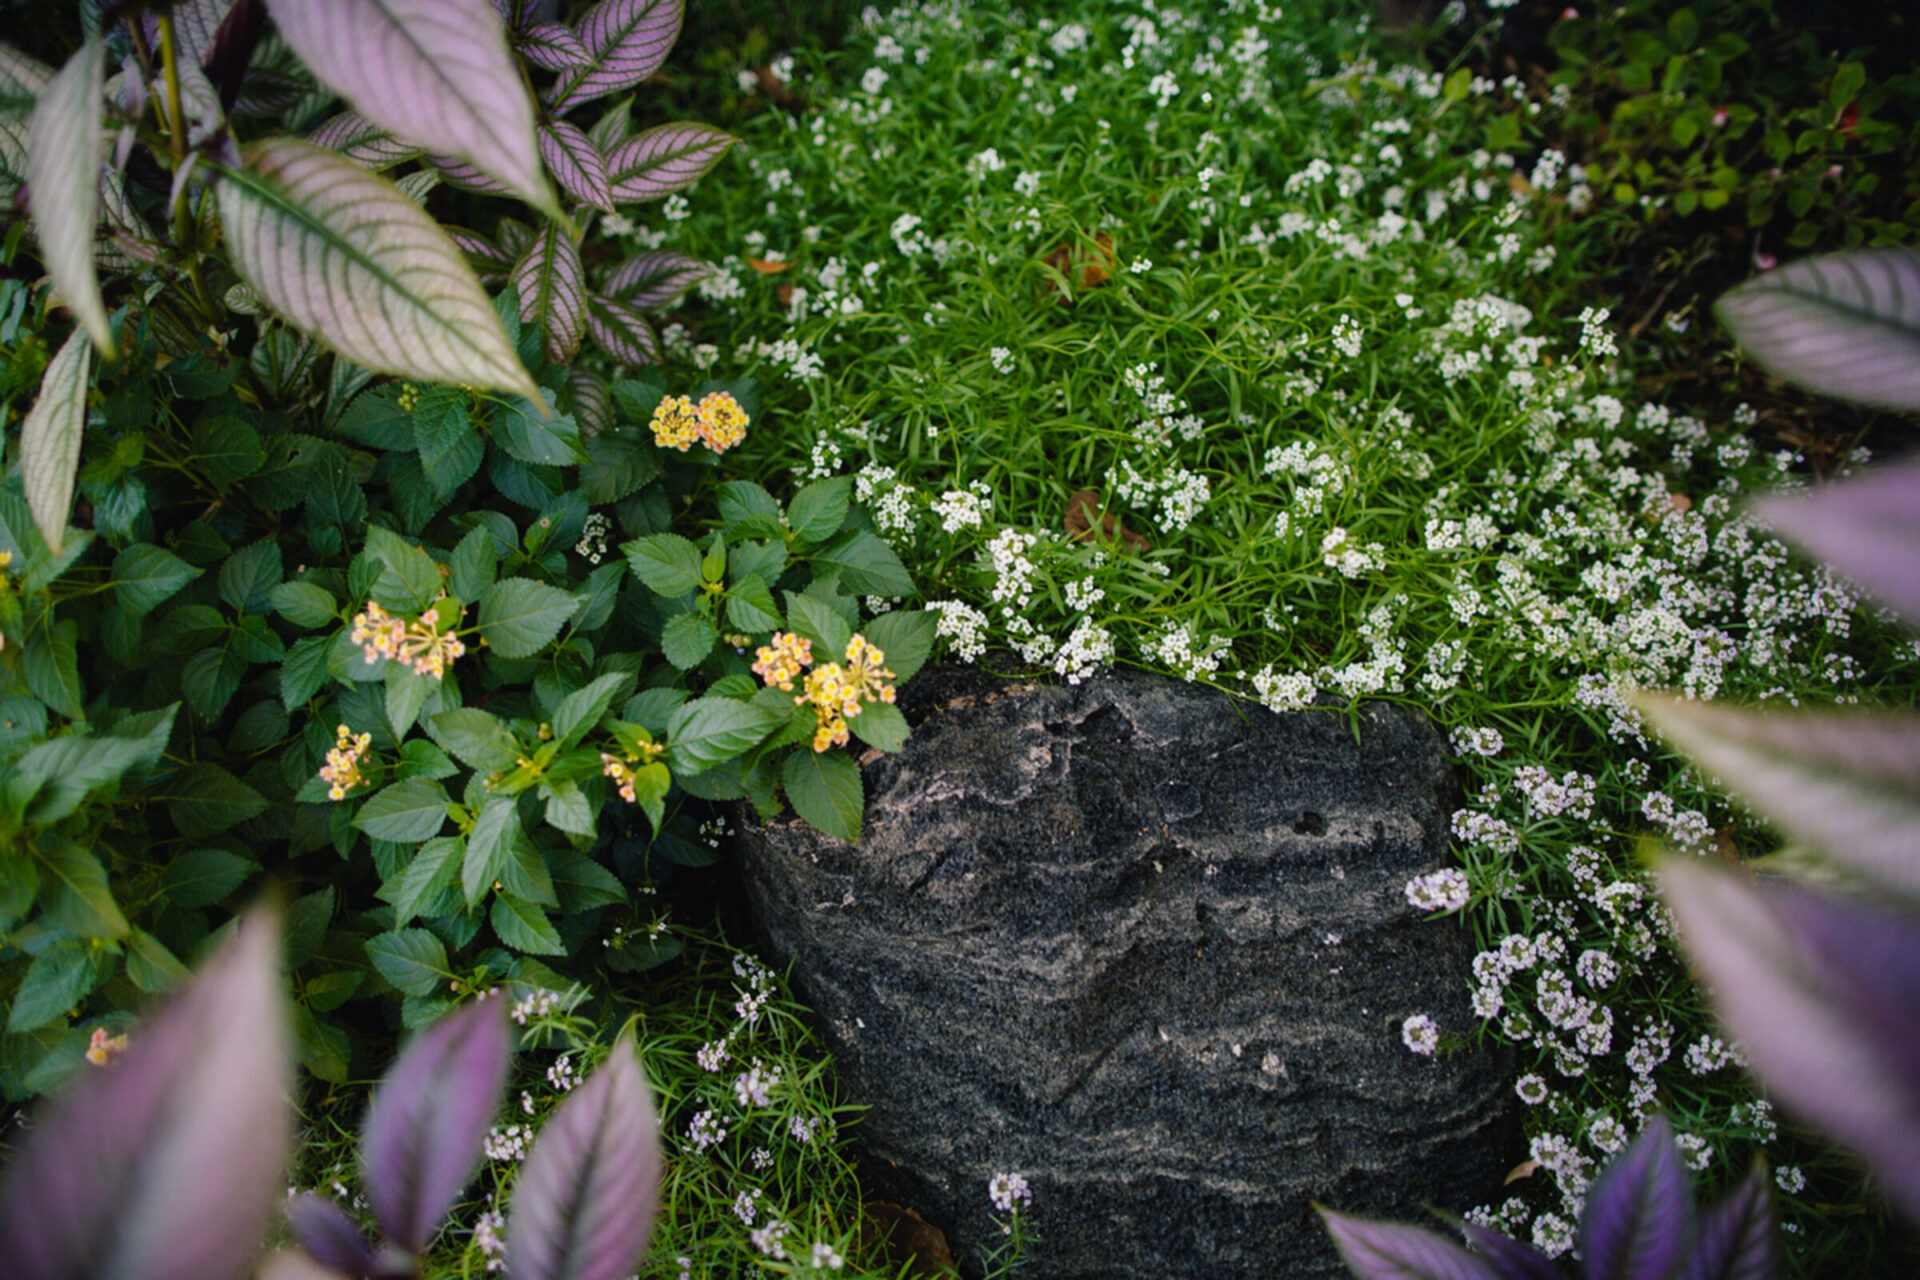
[186, 227]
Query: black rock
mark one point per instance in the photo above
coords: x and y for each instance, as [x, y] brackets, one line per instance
[1151, 949]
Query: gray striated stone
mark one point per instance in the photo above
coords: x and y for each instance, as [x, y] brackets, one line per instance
[1152, 949]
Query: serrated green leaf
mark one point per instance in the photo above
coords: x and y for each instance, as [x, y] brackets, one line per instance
[478, 738]
[74, 894]
[619, 463]
[71, 768]
[150, 965]
[473, 564]
[50, 438]
[57, 981]
[880, 725]
[583, 884]
[409, 579]
[825, 789]
[303, 670]
[450, 450]
[211, 677]
[420, 758]
[819, 509]
[341, 252]
[202, 877]
[748, 511]
[52, 669]
[305, 604]
[868, 566]
[708, 730]
[568, 809]
[489, 845]
[536, 437]
[203, 799]
[225, 450]
[145, 576]
[906, 637]
[820, 622]
[519, 617]
[524, 927]
[431, 871]
[63, 172]
[687, 639]
[407, 693]
[666, 562]
[413, 960]
[405, 812]
[750, 606]
[582, 709]
[249, 576]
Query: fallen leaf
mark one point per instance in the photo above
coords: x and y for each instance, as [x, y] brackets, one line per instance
[1085, 267]
[1082, 507]
[1520, 1171]
[907, 1239]
[768, 266]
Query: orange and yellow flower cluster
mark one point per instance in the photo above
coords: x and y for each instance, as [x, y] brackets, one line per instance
[717, 421]
[342, 769]
[837, 693]
[421, 644]
[621, 772]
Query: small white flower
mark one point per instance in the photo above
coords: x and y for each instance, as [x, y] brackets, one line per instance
[1007, 1191]
[1421, 1034]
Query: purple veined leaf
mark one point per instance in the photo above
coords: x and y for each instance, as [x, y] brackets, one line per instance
[1736, 1239]
[1395, 1251]
[63, 174]
[614, 126]
[1639, 1215]
[466, 176]
[553, 291]
[590, 400]
[514, 237]
[1511, 1260]
[50, 438]
[489, 261]
[585, 1199]
[363, 142]
[1824, 998]
[123, 240]
[23, 78]
[626, 42]
[622, 332]
[227, 56]
[429, 1118]
[1843, 324]
[267, 93]
[521, 13]
[551, 46]
[575, 163]
[343, 254]
[168, 1164]
[329, 1235]
[1867, 527]
[654, 279]
[666, 158]
[1846, 782]
[196, 24]
[436, 72]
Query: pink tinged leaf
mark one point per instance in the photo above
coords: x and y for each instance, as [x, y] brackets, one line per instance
[63, 174]
[429, 1119]
[50, 439]
[576, 164]
[329, 1235]
[1867, 527]
[1511, 1260]
[1395, 1251]
[1843, 324]
[666, 158]
[363, 142]
[1824, 997]
[343, 254]
[461, 174]
[551, 46]
[1639, 1215]
[626, 42]
[168, 1165]
[1845, 782]
[585, 1199]
[553, 293]
[622, 332]
[1736, 1239]
[656, 278]
[435, 72]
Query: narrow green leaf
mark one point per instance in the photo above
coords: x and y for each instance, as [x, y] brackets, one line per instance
[825, 789]
[405, 812]
[344, 254]
[63, 172]
[432, 870]
[488, 847]
[413, 960]
[50, 439]
[581, 710]
[519, 617]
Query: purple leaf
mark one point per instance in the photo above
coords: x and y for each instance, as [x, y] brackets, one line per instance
[63, 173]
[622, 331]
[436, 72]
[1867, 527]
[656, 278]
[490, 261]
[50, 439]
[429, 1120]
[553, 292]
[1843, 324]
[626, 42]
[1395, 1251]
[168, 1164]
[1845, 782]
[585, 1199]
[196, 25]
[343, 254]
[1736, 1240]
[1639, 1214]
[576, 164]
[462, 174]
[514, 237]
[590, 401]
[551, 47]
[363, 142]
[661, 160]
[225, 56]
[326, 1232]
[1824, 997]
[1511, 1259]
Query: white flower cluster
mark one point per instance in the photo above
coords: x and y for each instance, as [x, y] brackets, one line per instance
[964, 626]
[965, 508]
[1175, 648]
[1443, 890]
[1008, 1192]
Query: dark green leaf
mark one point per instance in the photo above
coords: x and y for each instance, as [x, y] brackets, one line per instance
[763, 560]
[407, 812]
[74, 894]
[52, 669]
[409, 579]
[303, 670]
[202, 877]
[203, 799]
[553, 440]
[868, 566]
[144, 576]
[407, 693]
[825, 789]
[906, 637]
[582, 709]
[56, 982]
[305, 604]
[473, 563]
[480, 739]
[750, 606]
[413, 960]
[881, 725]
[822, 623]
[519, 617]
[376, 419]
[619, 463]
[749, 511]
[488, 847]
[708, 730]
[687, 639]
[666, 562]
[818, 510]
[525, 927]
[582, 884]
[599, 595]
[150, 965]
[211, 677]
[568, 809]
[308, 920]
[451, 451]
[431, 871]
[225, 450]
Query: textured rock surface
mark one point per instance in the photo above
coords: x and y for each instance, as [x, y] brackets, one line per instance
[1151, 949]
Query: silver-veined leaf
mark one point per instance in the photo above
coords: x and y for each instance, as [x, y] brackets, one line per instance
[622, 331]
[655, 278]
[63, 170]
[50, 438]
[553, 293]
[576, 164]
[23, 79]
[342, 253]
[360, 140]
[551, 46]
[436, 72]
[1867, 527]
[468, 177]
[626, 41]
[664, 159]
[1843, 324]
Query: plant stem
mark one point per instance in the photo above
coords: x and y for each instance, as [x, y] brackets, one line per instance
[186, 227]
